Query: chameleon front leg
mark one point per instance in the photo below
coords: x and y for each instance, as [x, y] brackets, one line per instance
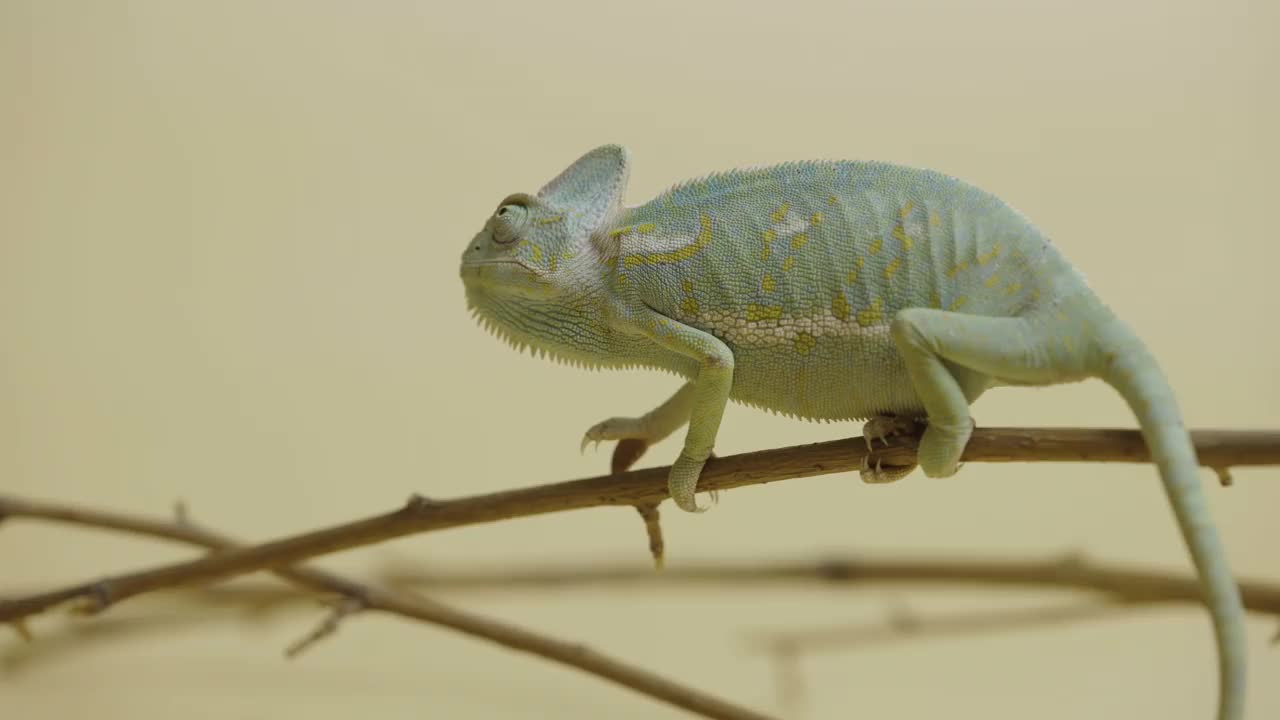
[636, 434]
[709, 393]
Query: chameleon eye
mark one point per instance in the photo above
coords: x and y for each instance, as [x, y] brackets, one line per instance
[508, 221]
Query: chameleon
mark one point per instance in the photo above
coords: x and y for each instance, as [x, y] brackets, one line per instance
[826, 290]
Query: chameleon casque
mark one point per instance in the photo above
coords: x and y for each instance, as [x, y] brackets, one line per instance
[832, 290]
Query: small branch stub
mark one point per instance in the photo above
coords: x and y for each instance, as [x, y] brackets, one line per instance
[653, 528]
[343, 609]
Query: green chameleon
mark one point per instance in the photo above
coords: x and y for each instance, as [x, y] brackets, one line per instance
[825, 290]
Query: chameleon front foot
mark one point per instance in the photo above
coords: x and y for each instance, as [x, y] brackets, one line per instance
[682, 483]
[633, 435]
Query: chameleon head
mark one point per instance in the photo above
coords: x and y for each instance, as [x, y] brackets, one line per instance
[517, 252]
[534, 246]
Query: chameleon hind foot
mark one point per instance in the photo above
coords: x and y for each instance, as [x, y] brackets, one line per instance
[942, 445]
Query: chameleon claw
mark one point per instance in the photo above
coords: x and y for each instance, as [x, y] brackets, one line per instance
[880, 475]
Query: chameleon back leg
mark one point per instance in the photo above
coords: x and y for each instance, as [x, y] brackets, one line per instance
[1041, 350]
[933, 342]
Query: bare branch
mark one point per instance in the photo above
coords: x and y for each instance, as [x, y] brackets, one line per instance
[653, 528]
[1120, 583]
[358, 596]
[786, 648]
[903, 623]
[1216, 449]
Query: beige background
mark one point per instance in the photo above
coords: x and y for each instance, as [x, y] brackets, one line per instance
[228, 245]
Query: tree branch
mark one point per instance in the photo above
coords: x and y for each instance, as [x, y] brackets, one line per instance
[1121, 583]
[1216, 449]
[357, 597]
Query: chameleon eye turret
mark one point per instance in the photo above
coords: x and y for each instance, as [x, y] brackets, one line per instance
[508, 222]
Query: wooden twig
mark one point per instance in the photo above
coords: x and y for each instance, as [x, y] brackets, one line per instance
[1217, 449]
[786, 648]
[1121, 583]
[357, 597]
[903, 623]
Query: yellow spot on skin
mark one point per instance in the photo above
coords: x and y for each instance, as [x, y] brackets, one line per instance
[689, 306]
[840, 307]
[549, 220]
[769, 237]
[781, 213]
[789, 263]
[875, 247]
[1013, 288]
[958, 302]
[892, 268]
[871, 315]
[853, 274]
[1035, 294]
[551, 264]
[646, 228]
[833, 200]
[622, 278]
[934, 220]
[767, 283]
[686, 285]
[992, 281]
[536, 252]
[675, 256]
[957, 269]
[989, 255]
[901, 234]
[816, 219]
[611, 263]
[798, 241]
[906, 210]
[619, 232]
[763, 312]
[805, 343]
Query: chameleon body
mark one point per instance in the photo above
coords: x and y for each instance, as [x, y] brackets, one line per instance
[832, 290]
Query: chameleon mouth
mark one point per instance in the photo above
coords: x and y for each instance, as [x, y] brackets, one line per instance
[477, 266]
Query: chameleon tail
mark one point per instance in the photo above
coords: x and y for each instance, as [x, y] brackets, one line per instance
[1131, 369]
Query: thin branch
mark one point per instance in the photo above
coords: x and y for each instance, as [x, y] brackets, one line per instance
[903, 623]
[786, 648]
[1117, 582]
[1122, 583]
[1217, 449]
[358, 596]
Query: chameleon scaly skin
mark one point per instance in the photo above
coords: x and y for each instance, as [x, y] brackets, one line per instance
[825, 290]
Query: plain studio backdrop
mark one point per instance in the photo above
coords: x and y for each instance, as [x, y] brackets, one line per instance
[229, 237]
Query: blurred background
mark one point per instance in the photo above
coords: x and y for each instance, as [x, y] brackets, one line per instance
[229, 236]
